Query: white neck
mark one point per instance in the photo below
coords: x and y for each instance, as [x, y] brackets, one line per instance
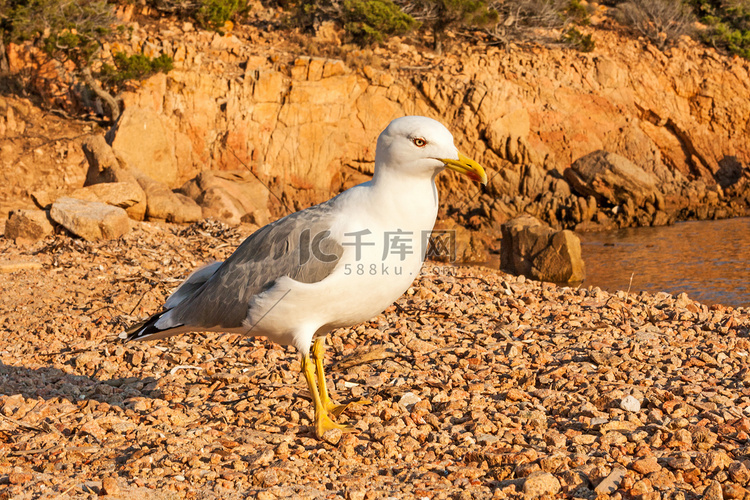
[402, 196]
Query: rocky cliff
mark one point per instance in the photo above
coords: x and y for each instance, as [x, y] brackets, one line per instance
[306, 126]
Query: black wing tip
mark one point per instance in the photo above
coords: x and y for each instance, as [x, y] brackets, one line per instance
[141, 330]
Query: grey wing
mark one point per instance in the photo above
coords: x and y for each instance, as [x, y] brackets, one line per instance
[299, 246]
[192, 284]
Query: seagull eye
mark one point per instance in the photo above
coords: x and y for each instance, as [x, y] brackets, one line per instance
[419, 142]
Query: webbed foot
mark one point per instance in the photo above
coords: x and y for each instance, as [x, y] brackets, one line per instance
[336, 409]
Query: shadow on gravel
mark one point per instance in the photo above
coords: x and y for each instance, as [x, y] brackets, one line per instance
[49, 383]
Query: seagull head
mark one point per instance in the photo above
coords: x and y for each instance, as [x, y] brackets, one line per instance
[421, 146]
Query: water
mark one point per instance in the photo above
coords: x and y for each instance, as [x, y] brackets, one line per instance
[708, 260]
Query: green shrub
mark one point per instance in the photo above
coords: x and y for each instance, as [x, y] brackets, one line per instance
[214, 14]
[70, 31]
[574, 37]
[576, 12]
[728, 24]
[209, 14]
[369, 21]
[135, 67]
[28, 19]
[68, 45]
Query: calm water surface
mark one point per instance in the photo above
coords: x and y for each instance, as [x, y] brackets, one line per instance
[709, 260]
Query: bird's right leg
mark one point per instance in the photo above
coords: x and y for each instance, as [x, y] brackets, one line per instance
[318, 353]
[323, 422]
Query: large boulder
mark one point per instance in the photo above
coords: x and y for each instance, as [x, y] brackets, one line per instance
[143, 141]
[230, 196]
[164, 204]
[110, 180]
[126, 195]
[611, 179]
[91, 220]
[104, 164]
[27, 226]
[539, 252]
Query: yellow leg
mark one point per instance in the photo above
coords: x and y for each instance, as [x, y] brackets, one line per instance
[318, 353]
[323, 422]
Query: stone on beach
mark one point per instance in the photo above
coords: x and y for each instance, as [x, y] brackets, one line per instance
[631, 404]
[408, 400]
[540, 483]
[42, 198]
[713, 492]
[452, 242]
[612, 481]
[28, 226]
[91, 220]
[539, 252]
[229, 196]
[126, 195]
[164, 204]
[113, 179]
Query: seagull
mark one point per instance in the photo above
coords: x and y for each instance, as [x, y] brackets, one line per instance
[329, 266]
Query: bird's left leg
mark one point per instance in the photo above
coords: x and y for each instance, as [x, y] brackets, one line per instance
[323, 422]
[318, 353]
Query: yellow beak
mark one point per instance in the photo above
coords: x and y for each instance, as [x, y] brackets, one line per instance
[467, 166]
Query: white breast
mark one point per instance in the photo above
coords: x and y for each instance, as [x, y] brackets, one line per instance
[381, 259]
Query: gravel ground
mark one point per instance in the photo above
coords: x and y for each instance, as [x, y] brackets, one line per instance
[482, 385]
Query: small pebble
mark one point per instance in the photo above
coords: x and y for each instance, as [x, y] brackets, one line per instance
[110, 486]
[408, 400]
[631, 404]
[541, 483]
